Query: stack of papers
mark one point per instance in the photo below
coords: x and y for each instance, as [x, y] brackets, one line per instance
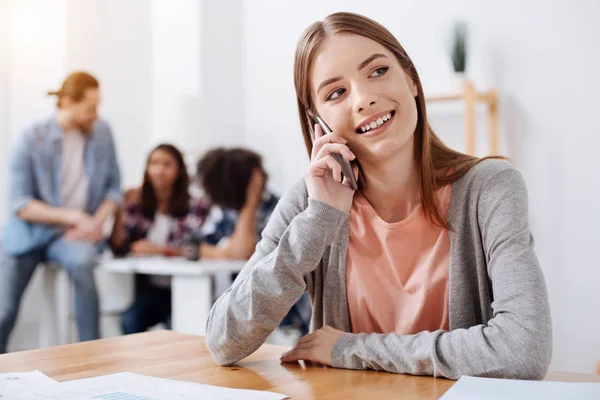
[35, 385]
[469, 387]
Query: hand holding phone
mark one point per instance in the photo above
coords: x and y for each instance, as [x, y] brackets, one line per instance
[324, 178]
[347, 171]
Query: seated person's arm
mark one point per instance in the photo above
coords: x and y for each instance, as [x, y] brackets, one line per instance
[125, 239]
[94, 233]
[113, 197]
[107, 208]
[125, 236]
[273, 280]
[23, 200]
[144, 247]
[118, 238]
[242, 242]
[39, 212]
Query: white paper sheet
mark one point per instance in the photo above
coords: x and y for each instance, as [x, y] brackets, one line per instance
[468, 388]
[130, 386]
[12, 384]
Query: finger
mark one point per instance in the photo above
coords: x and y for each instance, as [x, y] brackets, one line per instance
[86, 237]
[339, 148]
[322, 166]
[306, 345]
[306, 338]
[318, 131]
[336, 172]
[346, 181]
[321, 139]
[355, 171]
[74, 236]
[96, 238]
[330, 138]
[297, 355]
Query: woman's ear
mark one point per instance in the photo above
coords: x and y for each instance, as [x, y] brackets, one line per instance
[413, 88]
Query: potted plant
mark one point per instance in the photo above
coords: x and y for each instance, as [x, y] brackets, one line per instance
[458, 52]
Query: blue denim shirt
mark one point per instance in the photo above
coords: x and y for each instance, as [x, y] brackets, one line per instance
[35, 172]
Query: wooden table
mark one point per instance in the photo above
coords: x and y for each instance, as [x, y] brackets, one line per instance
[178, 356]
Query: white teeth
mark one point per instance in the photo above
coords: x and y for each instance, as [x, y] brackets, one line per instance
[378, 122]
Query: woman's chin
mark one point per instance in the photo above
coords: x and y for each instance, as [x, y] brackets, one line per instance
[387, 147]
[161, 186]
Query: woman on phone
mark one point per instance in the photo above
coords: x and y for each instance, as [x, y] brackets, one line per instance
[427, 269]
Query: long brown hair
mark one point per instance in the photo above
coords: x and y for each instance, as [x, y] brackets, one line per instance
[435, 160]
[75, 86]
[179, 203]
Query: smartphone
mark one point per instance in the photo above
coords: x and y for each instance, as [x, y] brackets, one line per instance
[345, 164]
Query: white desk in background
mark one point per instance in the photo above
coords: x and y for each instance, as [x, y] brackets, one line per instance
[191, 290]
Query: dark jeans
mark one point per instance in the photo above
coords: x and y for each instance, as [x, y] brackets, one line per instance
[152, 305]
[78, 258]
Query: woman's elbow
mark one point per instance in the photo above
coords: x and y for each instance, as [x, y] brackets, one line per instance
[529, 361]
[220, 345]
[222, 352]
[216, 345]
[534, 364]
[221, 357]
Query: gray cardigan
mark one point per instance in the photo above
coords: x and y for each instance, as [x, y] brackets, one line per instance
[500, 322]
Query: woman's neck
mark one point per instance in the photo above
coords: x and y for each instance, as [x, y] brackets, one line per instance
[163, 199]
[392, 186]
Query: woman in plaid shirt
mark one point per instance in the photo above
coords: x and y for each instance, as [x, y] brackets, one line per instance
[157, 218]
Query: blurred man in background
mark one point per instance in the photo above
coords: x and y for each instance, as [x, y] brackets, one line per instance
[64, 185]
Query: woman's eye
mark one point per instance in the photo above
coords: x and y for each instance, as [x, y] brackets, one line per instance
[380, 71]
[335, 94]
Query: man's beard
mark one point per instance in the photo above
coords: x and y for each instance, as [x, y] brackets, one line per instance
[85, 127]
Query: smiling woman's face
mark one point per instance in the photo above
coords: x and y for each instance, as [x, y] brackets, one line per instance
[359, 88]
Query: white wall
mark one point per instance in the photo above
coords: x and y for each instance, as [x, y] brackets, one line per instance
[223, 103]
[543, 58]
[176, 71]
[37, 56]
[4, 101]
[113, 40]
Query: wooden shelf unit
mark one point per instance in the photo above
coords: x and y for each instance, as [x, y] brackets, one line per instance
[471, 97]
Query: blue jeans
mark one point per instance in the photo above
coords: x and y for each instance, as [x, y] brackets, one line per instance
[78, 258]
